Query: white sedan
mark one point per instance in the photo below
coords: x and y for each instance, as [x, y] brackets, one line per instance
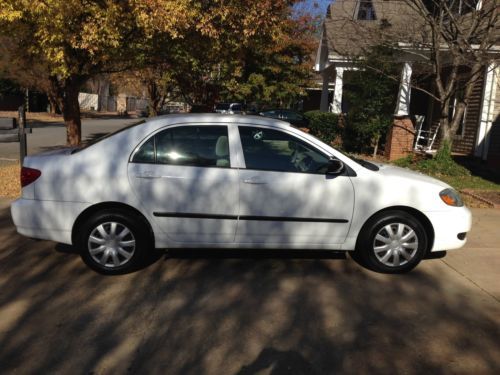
[225, 181]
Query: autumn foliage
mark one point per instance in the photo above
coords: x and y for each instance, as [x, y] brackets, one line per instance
[247, 49]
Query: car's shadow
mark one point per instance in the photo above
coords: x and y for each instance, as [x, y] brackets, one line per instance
[214, 253]
[209, 253]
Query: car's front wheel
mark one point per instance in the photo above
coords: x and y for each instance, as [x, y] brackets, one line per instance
[391, 242]
[113, 242]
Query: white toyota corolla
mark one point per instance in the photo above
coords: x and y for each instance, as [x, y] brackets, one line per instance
[234, 182]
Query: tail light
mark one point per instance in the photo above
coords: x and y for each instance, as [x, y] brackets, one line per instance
[29, 175]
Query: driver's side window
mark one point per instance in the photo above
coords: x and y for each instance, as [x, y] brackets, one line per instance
[274, 150]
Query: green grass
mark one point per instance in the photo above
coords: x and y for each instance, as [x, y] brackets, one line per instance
[444, 168]
[468, 182]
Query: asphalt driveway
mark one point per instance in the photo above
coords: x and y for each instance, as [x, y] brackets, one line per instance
[229, 312]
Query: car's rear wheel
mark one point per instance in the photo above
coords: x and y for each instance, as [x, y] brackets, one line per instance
[391, 242]
[113, 242]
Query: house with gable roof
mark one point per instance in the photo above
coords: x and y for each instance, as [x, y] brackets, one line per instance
[351, 27]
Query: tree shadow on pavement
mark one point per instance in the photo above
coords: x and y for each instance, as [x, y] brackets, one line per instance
[231, 314]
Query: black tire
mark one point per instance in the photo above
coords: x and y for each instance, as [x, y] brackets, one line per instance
[138, 233]
[365, 252]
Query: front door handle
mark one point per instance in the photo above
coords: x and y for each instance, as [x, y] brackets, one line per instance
[253, 181]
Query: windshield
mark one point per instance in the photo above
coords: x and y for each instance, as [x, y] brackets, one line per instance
[91, 142]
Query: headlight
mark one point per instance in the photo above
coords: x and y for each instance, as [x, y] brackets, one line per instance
[451, 198]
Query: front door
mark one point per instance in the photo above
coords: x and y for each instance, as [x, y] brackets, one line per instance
[183, 177]
[286, 197]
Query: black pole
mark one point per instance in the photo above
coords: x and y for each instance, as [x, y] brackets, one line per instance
[27, 100]
[23, 144]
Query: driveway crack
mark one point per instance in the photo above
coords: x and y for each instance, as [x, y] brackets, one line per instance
[471, 281]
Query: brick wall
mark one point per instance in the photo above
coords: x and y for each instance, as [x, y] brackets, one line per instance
[400, 139]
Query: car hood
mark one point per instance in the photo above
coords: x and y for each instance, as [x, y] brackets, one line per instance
[391, 171]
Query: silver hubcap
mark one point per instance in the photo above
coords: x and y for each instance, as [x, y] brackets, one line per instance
[111, 244]
[395, 244]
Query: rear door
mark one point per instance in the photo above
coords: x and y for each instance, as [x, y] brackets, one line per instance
[183, 177]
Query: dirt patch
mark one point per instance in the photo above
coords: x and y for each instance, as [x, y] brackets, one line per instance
[34, 116]
[10, 185]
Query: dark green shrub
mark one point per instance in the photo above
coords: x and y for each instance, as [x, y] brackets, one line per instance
[370, 99]
[443, 163]
[323, 125]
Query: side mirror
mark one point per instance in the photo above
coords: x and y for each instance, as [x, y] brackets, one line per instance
[335, 166]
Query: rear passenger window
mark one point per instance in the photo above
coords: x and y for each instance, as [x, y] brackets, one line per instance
[201, 146]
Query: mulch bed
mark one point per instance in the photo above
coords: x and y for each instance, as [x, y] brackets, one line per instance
[489, 198]
[492, 196]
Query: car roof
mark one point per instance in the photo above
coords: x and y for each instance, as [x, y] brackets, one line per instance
[213, 118]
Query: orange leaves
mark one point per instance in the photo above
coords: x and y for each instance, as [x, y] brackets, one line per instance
[172, 17]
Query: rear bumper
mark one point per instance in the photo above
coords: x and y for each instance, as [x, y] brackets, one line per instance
[447, 227]
[47, 220]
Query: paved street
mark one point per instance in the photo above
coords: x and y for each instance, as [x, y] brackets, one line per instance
[249, 312]
[48, 136]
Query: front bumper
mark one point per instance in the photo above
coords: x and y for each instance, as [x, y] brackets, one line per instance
[447, 227]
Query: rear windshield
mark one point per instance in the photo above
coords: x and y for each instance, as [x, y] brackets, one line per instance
[91, 142]
[222, 106]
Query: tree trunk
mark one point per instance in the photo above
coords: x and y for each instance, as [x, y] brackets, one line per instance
[156, 99]
[375, 142]
[71, 114]
[445, 134]
[457, 117]
[52, 104]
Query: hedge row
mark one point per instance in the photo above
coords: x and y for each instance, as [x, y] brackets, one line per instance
[323, 125]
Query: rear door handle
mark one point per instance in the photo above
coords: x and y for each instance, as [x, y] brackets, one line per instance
[147, 175]
[253, 181]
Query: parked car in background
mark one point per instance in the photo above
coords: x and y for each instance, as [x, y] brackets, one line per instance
[229, 108]
[200, 108]
[226, 181]
[293, 117]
